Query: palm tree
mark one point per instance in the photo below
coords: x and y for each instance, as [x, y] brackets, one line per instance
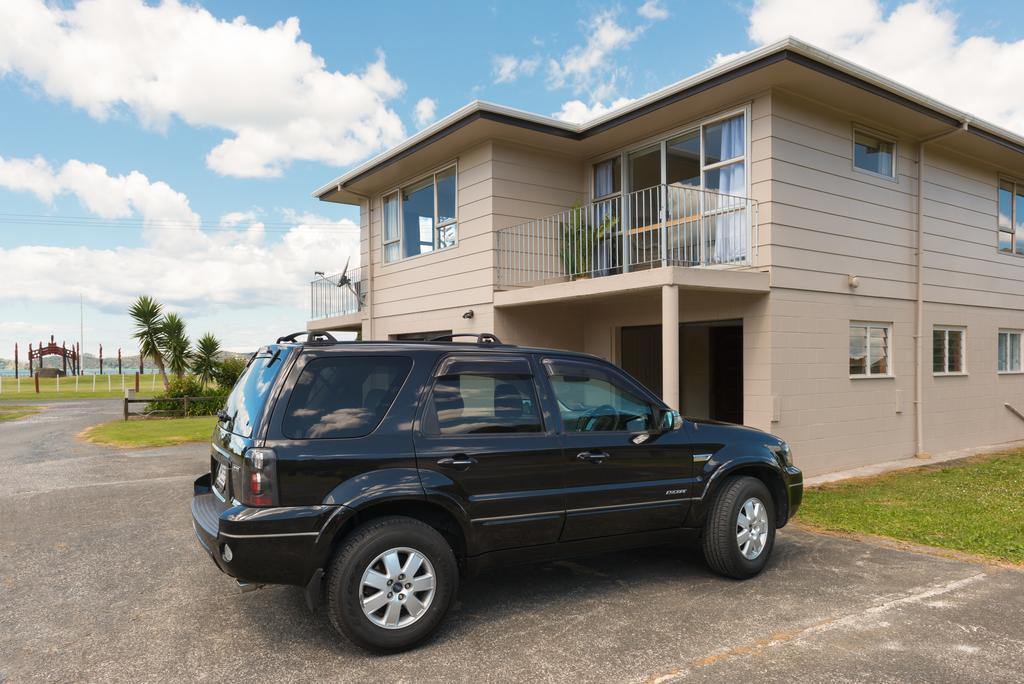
[149, 330]
[176, 344]
[204, 358]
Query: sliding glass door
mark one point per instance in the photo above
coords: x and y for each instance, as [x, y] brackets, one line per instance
[687, 197]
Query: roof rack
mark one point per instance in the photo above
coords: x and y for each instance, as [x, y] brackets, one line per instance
[312, 338]
[481, 338]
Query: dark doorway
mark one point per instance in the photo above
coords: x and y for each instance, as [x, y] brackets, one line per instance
[726, 364]
[641, 355]
[421, 335]
[710, 366]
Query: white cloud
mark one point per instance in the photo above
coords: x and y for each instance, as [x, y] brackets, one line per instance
[577, 111]
[31, 175]
[914, 43]
[106, 196]
[508, 68]
[582, 64]
[424, 112]
[180, 263]
[653, 10]
[265, 86]
[589, 69]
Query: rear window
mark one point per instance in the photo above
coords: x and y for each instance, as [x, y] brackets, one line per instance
[343, 396]
[249, 394]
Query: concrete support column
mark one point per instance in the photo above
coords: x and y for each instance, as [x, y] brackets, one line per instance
[670, 345]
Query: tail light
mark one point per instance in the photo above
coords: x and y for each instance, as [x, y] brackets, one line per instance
[257, 479]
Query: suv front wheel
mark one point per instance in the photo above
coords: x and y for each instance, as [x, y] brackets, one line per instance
[739, 531]
[391, 583]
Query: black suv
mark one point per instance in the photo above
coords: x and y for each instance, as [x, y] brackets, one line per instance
[375, 474]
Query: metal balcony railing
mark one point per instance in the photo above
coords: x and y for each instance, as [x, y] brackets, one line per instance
[664, 225]
[329, 296]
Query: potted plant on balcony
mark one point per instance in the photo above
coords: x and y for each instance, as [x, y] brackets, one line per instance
[583, 241]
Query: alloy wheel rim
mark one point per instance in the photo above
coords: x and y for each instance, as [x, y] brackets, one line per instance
[752, 528]
[397, 588]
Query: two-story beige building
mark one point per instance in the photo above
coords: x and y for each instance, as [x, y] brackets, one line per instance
[787, 240]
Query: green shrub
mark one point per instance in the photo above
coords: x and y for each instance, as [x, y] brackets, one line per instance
[227, 372]
[212, 398]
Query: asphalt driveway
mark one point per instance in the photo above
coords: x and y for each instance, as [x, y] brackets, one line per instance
[101, 579]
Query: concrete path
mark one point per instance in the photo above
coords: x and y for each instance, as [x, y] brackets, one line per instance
[101, 579]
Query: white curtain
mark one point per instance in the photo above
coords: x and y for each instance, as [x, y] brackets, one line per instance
[604, 178]
[728, 225]
[730, 143]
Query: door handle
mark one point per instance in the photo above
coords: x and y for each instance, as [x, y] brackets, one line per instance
[460, 462]
[592, 456]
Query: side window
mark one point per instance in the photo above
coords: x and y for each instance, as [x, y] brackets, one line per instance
[591, 399]
[343, 396]
[472, 403]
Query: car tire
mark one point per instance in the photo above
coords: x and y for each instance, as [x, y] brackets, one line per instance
[725, 548]
[367, 550]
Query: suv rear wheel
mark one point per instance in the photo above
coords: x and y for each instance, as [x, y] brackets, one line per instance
[390, 583]
[739, 532]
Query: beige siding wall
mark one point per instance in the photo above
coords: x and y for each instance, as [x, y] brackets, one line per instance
[836, 422]
[499, 184]
[827, 221]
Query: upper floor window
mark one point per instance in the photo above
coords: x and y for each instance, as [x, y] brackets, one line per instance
[874, 154]
[948, 351]
[1011, 217]
[711, 156]
[607, 178]
[870, 349]
[420, 217]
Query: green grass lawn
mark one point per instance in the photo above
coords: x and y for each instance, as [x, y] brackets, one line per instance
[976, 506]
[81, 387]
[10, 412]
[152, 432]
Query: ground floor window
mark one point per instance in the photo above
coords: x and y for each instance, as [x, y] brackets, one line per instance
[948, 350]
[870, 349]
[1009, 351]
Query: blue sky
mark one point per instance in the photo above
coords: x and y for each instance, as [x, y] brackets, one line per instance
[80, 89]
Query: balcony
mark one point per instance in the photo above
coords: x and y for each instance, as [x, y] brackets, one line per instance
[666, 225]
[337, 295]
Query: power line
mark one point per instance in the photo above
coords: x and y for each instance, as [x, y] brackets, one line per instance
[8, 220]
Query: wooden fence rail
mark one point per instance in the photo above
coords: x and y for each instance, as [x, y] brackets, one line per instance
[177, 400]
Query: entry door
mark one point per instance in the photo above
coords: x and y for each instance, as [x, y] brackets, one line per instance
[482, 441]
[617, 479]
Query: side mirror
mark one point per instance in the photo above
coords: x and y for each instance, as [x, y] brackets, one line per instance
[670, 420]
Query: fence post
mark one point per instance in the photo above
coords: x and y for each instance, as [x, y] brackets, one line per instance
[126, 408]
[36, 376]
[186, 408]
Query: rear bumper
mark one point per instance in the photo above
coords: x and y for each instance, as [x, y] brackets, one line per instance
[282, 545]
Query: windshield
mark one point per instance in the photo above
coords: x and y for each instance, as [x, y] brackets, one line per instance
[249, 395]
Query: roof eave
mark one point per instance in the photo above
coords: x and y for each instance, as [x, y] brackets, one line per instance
[789, 44]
